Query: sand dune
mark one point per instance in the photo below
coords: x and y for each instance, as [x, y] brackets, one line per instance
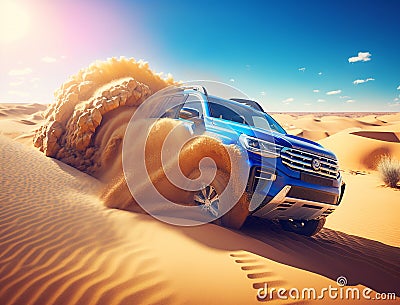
[314, 135]
[19, 121]
[359, 152]
[60, 245]
[21, 110]
[371, 119]
[390, 118]
[317, 127]
[358, 141]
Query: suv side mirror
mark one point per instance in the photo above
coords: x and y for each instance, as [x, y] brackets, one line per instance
[188, 113]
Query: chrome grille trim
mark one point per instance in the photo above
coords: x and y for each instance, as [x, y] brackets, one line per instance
[302, 161]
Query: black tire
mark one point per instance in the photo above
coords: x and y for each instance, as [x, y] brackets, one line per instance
[303, 227]
[235, 217]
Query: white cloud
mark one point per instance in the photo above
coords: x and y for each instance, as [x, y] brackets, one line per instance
[344, 96]
[19, 72]
[307, 104]
[302, 69]
[34, 79]
[398, 88]
[232, 80]
[48, 59]
[315, 91]
[334, 92]
[263, 93]
[362, 56]
[396, 99]
[350, 101]
[360, 81]
[288, 100]
[394, 104]
[320, 100]
[319, 73]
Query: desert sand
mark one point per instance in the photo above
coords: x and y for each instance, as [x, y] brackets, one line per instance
[61, 244]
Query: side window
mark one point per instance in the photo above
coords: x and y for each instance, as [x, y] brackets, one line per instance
[194, 102]
[222, 112]
[261, 122]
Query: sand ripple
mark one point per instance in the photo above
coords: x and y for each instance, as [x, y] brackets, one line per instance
[60, 247]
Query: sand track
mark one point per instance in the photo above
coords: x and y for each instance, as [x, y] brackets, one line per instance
[331, 252]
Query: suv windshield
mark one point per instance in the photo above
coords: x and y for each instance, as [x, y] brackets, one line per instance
[238, 113]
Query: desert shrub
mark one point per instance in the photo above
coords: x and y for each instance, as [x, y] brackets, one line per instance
[390, 171]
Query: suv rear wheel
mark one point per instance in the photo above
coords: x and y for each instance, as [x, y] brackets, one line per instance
[303, 227]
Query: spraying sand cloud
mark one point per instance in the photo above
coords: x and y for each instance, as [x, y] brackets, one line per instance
[85, 101]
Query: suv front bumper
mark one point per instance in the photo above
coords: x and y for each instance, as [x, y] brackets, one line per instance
[307, 197]
[283, 206]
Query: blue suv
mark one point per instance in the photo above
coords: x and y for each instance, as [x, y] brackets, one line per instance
[295, 181]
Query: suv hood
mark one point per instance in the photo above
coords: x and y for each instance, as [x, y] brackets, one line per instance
[292, 141]
[285, 140]
[303, 144]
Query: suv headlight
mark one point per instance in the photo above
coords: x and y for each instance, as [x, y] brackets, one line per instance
[261, 147]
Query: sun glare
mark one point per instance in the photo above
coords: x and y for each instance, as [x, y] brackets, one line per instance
[14, 21]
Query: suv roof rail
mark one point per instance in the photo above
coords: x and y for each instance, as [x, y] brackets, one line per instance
[199, 88]
[250, 103]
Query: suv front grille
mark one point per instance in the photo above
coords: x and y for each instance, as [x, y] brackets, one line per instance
[303, 161]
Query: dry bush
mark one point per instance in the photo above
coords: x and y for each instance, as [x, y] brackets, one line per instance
[390, 171]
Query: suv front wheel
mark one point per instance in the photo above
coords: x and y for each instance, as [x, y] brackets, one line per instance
[208, 198]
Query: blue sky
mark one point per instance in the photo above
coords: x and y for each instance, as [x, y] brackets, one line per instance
[286, 54]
